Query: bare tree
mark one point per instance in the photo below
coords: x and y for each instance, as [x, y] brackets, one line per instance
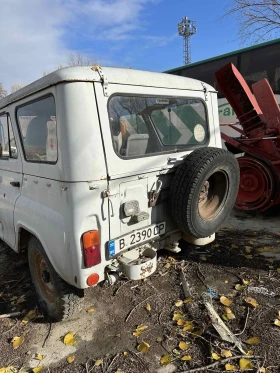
[77, 59]
[259, 20]
[16, 86]
[3, 93]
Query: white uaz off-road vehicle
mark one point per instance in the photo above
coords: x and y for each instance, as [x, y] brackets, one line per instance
[101, 168]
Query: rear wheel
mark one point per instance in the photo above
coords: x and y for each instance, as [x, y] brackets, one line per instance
[204, 190]
[57, 299]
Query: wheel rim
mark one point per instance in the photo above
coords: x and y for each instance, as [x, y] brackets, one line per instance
[213, 195]
[256, 185]
[44, 278]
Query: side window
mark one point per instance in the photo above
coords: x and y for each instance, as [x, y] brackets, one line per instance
[37, 124]
[7, 138]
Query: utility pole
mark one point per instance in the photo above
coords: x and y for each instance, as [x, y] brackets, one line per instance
[187, 28]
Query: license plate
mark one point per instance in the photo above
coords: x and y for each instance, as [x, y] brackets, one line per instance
[136, 238]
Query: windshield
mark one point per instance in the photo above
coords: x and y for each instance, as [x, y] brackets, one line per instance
[145, 125]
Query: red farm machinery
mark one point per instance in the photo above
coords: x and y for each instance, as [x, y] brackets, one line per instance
[258, 143]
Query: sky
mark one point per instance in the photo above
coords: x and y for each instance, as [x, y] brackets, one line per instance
[39, 35]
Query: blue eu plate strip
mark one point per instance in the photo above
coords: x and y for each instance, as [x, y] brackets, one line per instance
[112, 248]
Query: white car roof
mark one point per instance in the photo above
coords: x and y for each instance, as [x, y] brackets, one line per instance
[114, 75]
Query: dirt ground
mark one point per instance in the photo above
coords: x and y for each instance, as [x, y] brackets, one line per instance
[242, 263]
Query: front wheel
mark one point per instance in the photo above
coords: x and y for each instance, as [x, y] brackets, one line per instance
[57, 299]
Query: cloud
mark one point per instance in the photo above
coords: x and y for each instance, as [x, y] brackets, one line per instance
[37, 36]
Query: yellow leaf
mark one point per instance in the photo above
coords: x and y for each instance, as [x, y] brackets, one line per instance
[264, 370]
[278, 270]
[248, 249]
[225, 301]
[245, 364]
[180, 322]
[239, 287]
[143, 347]
[39, 357]
[38, 369]
[277, 322]
[29, 316]
[226, 353]
[141, 327]
[234, 246]
[249, 353]
[167, 265]
[17, 341]
[179, 303]
[187, 300]
[231, 367]
[264, 249]
[176, 352]
[215, 356]
[69, 339]
[251, 301]
[118, 335]
[224, 317]
[186, 358]
[98, 363]
[90, 310]
[70, 359]
[253, 341]
[125, 353]
[177, 316]
[183, 345]
[248, 256]
[229, 314]
[21, 299]
[148, 307]
[166, 359]
[9, 369]
[136, 333]
[246, 282]
[159, 339]
[188, 326]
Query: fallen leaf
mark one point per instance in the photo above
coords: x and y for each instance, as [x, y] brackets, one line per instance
[98, 363]
[249, 256]
[118, 335]
[239, 287]
[203, 257]
[17, 341]
[215, 356]
[136, 333]
[20, 299]
[177, 316]
[186, 358]
[69, 339]
[253, 341]
[141, 327]
[225, 301]
[229, 314]
[179, 303]
[188, 326]
[90, 310]
[198, 332]
[231, 367]
[29, 316]
[39, 357]
[249, 353]
[159, 339]
[180, 322]
[38, 369]
[9, 369]
[251, 301]
[226, 353]
[187, 300]
[264, 249]
[166, 359]
[246, 282]
[248, 249]
[217, 245]
[125, 353]
[176, 352]
[234, 246]
[148, 307]
[278, 270]
[70, 359]
[245, 364]
[143, 347]
[264, 370]
[167, 265]
[184, 345]
[277, 322]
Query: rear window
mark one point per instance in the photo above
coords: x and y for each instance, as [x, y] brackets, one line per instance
[145, 125]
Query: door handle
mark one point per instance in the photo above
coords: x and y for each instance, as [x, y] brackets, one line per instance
[15, 184]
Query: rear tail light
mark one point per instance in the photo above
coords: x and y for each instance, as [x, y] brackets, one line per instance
[91, 247]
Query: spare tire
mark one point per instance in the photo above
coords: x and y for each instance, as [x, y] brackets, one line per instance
[204, 190]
